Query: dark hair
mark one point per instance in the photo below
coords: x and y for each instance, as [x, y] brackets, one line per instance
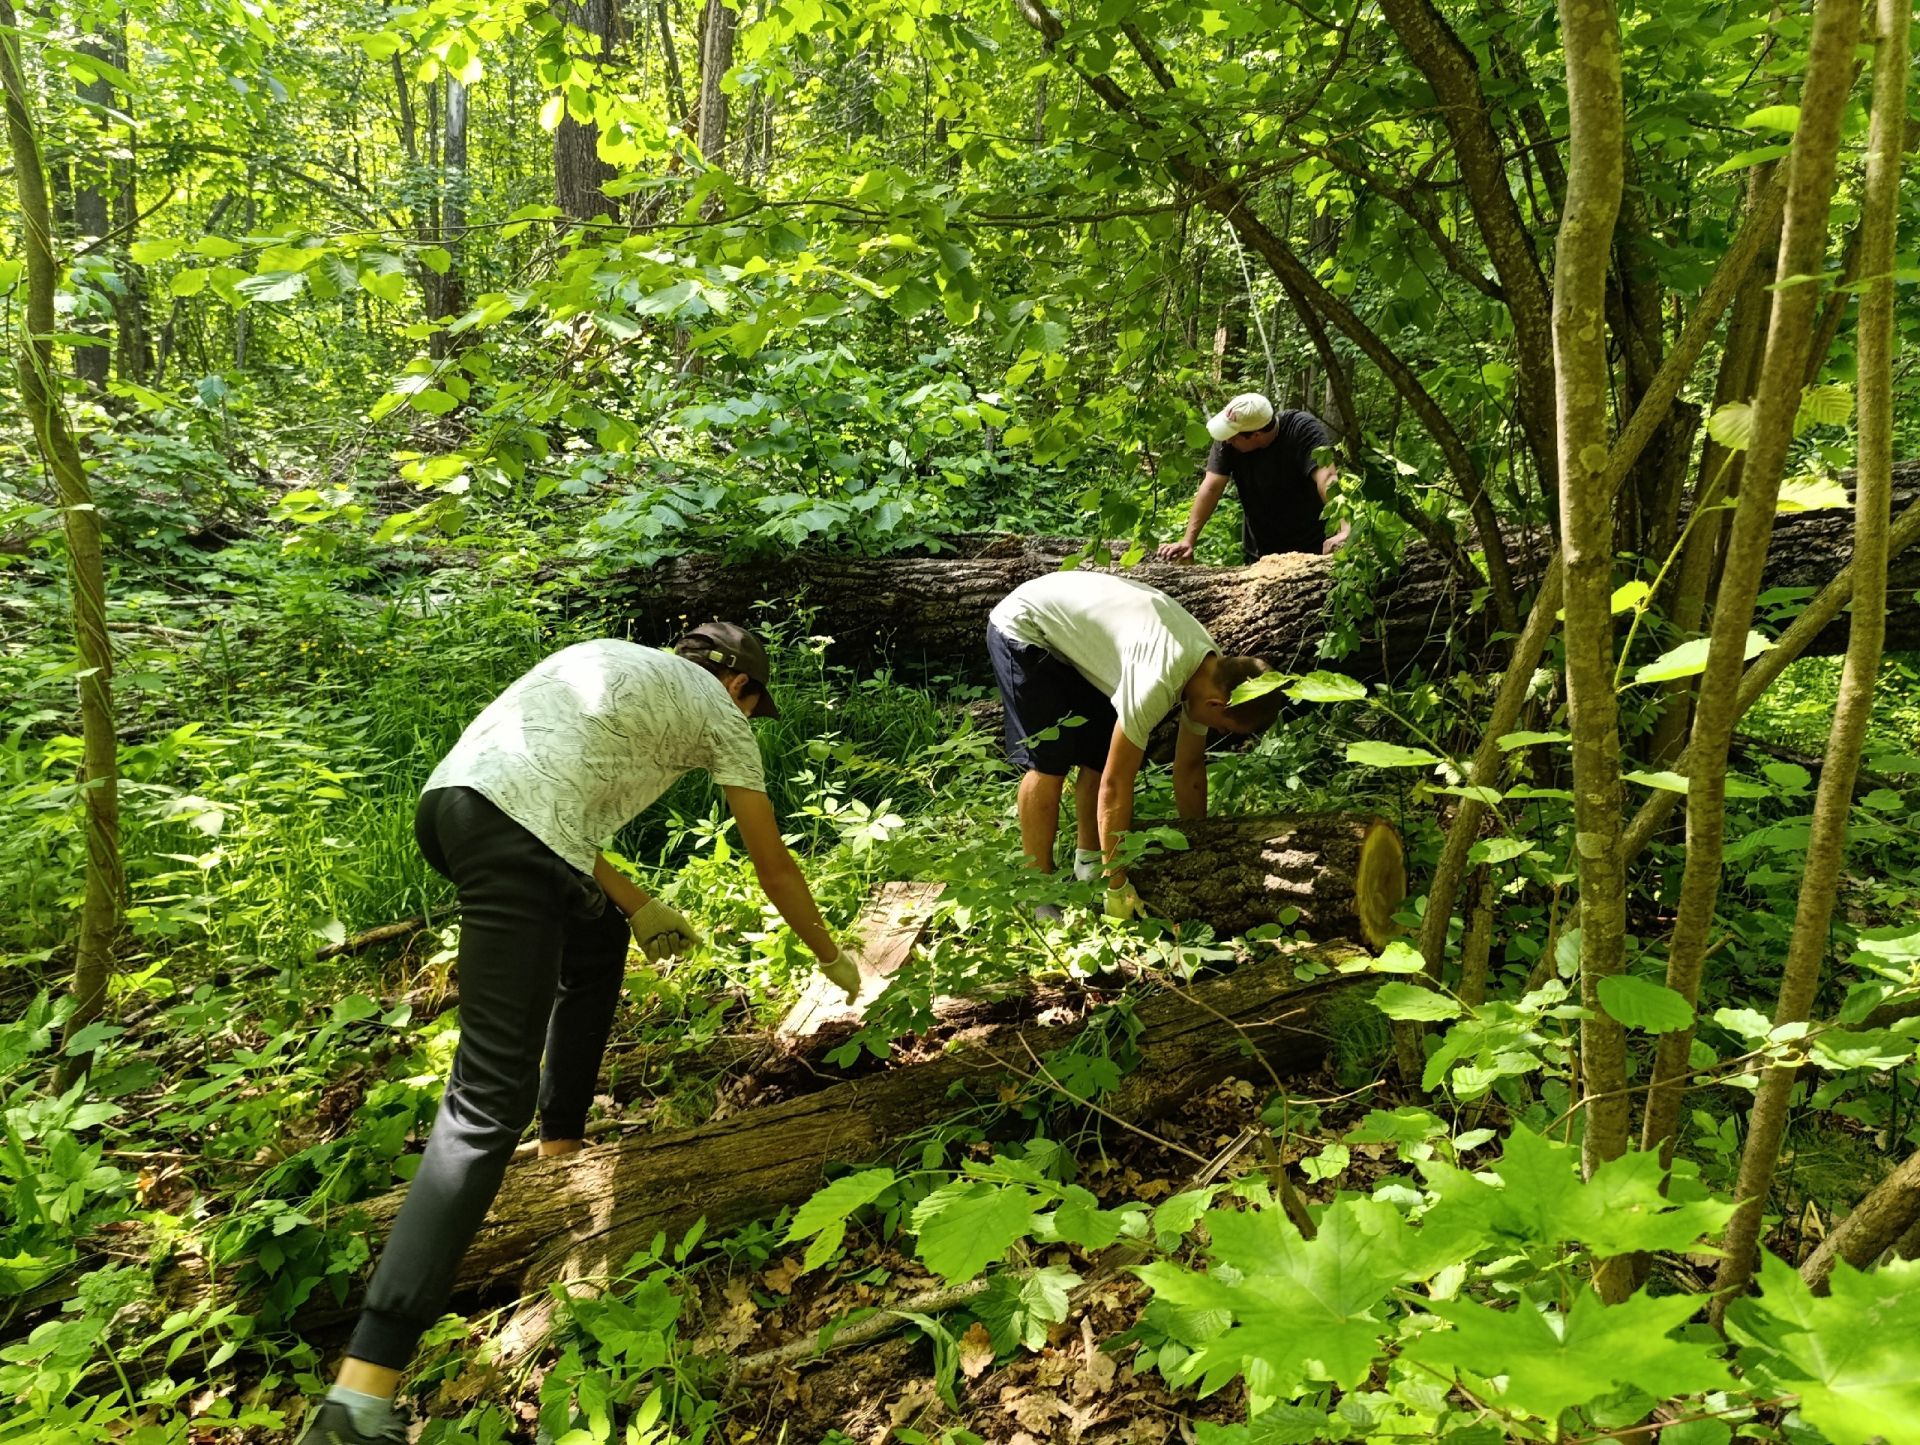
[1257, 714]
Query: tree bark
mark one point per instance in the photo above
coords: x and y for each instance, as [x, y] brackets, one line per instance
[1342, 875]
[1803, 240]
[1596, 109]
[716, 59]
[451, 298]
[578, 171]
[40, 399]
[932, 611]
[1833, 802]
[92, 178]
[1873, 1227]
[676, 86]
[1454, 74]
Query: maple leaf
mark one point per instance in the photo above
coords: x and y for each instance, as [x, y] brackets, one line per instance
[1544, 1362]
[1849, 1356]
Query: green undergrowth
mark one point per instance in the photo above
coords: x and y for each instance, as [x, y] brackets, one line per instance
[281, 717]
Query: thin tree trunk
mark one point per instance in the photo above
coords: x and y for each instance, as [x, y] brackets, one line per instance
[1719, 476]
[451, 299]
[716, 59]
[676, 85]
[1826, 843]
[1531, 644]
[40, 399]
[132, 352]
[1596, 109]
[1802, 244]
[92, 176]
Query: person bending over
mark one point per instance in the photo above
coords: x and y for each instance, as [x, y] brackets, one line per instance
[515, 816]
[1122, 656]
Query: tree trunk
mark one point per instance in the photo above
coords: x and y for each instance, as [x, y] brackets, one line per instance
[1803, 240]
[578, 171]
[451, 299]
[583, 1216]
[932, 611]
[676, 87]
[1835, 25]
[1596, 110]
[40, 399]
[1876, 1224]
[92, 177]
[716, 59]
[1341, 875]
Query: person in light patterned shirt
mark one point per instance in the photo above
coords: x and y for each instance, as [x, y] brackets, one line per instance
[515, 815]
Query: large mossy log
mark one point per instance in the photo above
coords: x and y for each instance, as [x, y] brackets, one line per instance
[1334, 876]
[583, 1217]
[930, 612]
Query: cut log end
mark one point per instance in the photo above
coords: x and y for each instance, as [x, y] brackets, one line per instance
[1332, 877]
[1379, 883]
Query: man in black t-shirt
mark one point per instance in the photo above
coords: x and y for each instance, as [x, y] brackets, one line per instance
[1270, 459]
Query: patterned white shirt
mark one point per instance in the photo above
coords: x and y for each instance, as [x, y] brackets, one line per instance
[592, 735]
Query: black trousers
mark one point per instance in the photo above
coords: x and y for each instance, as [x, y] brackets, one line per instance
[542, 956]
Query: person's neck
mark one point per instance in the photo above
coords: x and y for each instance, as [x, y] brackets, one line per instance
[1201, 685]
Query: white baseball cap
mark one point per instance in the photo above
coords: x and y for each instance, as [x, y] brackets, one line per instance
[1247, 412]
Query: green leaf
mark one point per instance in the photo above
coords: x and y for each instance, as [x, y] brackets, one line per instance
[1690, 659]
[1081, 1221]
[1510, 741]
[1732, 426]
[272, 286]
[1849, 1356]
[1412, 1001]
[1327, 687]
[1783, 118]
[1498, 850]
[1551, 1361]
[825, 1215]
[1398, 956]
[1389, 755]
[1178, 1213]
[189, 282]
[434, 403]
[1259, 686]
[1754, 157]
[966, 1226]
[1641, 1004]
[146, 253]
[1630, 595]
[1812, 493]
[1303, 1310]
[1830, 404]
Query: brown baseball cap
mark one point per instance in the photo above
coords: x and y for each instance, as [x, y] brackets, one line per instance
[728, 645]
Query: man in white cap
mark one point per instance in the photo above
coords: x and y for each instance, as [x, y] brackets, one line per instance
[1275, 462]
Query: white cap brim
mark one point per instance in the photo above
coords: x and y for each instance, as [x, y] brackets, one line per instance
[1220, 427]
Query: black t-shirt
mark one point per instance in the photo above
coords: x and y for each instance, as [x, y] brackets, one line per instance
[1275, 483]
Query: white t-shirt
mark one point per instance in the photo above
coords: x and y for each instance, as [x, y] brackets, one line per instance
[590, 736]
[1136, 645]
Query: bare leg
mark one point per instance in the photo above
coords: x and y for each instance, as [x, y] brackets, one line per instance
[1039, 806]
[1086, 807]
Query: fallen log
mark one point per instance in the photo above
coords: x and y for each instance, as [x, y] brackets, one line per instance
[583, 1216]
[929, 612]
[1336, 876]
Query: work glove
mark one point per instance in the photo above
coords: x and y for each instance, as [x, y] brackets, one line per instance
[1087, 863]
[1124, 902]
[661, 931]
[844, 972]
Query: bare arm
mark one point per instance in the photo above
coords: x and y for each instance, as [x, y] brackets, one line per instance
[1116, 799]
[1324, 480]
[1212, 487]
[1190, 774]
[621, 890]
[780, 877]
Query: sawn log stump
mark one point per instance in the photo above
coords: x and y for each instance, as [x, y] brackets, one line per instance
[1338, 876]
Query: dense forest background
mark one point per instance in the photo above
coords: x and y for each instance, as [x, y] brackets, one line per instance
[360, 356]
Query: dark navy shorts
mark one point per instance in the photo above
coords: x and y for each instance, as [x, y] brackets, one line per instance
[1044, 695]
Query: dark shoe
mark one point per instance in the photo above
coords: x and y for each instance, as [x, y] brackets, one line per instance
[330, 1423]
